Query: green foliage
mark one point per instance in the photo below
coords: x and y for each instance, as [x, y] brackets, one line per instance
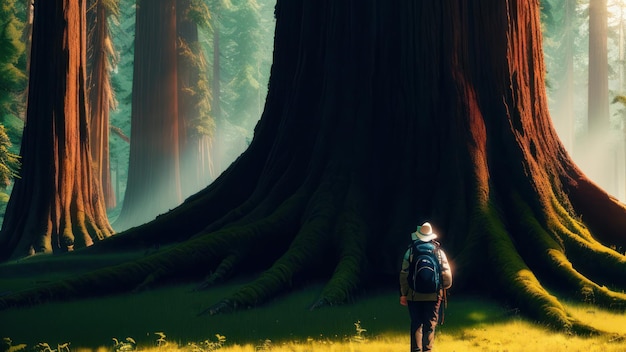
[202, 124]
[9, 162]
[122, 27]
[246, 33]
[12, 51]
[112, 7]
[199, 14]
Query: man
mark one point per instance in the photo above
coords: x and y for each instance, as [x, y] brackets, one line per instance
[423, 304]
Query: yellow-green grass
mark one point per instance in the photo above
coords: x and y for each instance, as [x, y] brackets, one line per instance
[472, 324]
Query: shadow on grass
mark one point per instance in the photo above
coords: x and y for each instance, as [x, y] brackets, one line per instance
[174, 309]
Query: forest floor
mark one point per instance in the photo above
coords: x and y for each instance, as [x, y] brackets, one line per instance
[471, 323]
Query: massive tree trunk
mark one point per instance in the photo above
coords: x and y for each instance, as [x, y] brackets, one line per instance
[56, 205]
[381, 115]
[153, 173]
[100, 94]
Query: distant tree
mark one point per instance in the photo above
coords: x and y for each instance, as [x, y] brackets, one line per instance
[12, 51]
[197, 127]
[123, 36]
[243, 47]
[562, 24]
[240, 71]
[216, 8]
[13, 82]
[153, 185]
[598, 101]
[101, 96]
[56, 204]
[9, 162]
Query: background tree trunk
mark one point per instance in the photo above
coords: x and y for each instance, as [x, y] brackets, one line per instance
[153, 173]
[595, 141]
[196, 128]
[100, 95]
[56, 205]
[598, 112]
[379, 116]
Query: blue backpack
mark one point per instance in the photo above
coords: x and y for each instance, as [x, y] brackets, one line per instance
[425, 267]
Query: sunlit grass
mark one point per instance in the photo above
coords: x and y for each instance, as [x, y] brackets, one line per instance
[511, 335]
[502, 337]
[599, 318]
[286, 325]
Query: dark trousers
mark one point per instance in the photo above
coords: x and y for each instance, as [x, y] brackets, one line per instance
[424, 316]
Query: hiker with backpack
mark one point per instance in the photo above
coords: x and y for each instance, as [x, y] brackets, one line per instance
[424, 278]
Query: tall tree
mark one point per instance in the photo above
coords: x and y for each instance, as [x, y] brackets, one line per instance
[153, 185]
[562, 29]
[123, 36]
[598, 103]
[598, 116]
[12, 76]
[380, 115]
[100, 51]
[196, 126]
[56, 205]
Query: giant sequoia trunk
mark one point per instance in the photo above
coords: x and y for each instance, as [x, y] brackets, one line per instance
[153, 172]
[56, 204]
[381, 115]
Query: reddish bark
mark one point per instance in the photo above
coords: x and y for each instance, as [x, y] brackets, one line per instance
[57, 203]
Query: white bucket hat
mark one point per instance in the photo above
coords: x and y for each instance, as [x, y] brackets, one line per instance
[424, 233]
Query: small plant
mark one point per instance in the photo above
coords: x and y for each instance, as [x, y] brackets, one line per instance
[7, 346]
[124, 346]
[358, 337]
[65, 347]
[161, 341]
[45, 347]
[264, 346]
[587, 293]
[207, 346]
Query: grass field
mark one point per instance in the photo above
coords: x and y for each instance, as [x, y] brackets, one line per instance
[285, 324]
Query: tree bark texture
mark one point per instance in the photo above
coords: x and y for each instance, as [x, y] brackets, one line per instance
[379, 116]
[153, 173]
[100, 96]
[56, 204]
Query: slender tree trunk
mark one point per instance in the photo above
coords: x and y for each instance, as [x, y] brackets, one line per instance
[100, 96]
[216, 94]
[216, 105]
[195, 163]
[564, 111]
[153, 174]
[57, 203]
[27, 38]
[598, 111]
[597, 141]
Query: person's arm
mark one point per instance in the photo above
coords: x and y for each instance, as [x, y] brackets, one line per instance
[404, 273]
[446, 270]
